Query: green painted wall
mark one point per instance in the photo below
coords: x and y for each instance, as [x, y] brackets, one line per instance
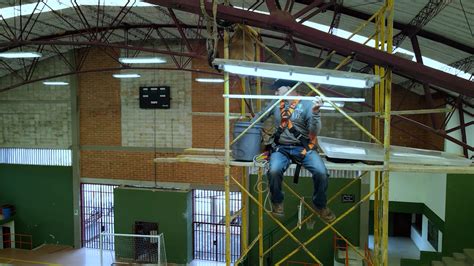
[42, 196]
[171, 209]
[407, 207]
[322, 247]
[425, 259]
[458, 229]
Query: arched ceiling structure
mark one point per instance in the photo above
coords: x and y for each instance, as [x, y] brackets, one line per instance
[440, 30]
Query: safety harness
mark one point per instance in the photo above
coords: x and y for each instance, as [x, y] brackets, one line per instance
[308, 144]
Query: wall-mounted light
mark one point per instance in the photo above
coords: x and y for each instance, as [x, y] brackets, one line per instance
[210, 80]
[20, 55]
[126, 76]
[297, 73]
[55, 83]
[142, 60]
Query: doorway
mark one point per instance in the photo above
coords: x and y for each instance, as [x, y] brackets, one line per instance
[97, 205]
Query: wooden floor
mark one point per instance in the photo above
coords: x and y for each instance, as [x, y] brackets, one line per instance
[53, 255]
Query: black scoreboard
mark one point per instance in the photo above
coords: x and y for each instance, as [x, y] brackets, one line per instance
[155, 97]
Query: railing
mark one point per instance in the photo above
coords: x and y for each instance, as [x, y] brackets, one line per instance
[368, 255]
[290, 263]
[19, 240]
[344, 247]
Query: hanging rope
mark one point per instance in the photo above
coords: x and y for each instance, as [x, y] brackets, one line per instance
[211, 26]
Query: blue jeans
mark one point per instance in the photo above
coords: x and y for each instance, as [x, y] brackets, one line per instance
[281, 159]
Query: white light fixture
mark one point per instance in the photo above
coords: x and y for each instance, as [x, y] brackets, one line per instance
[55, 83]
[338, 101]
[126, 76]
[142, 60]
[210, 80]
[20, 55]
[297, 73]
[277, 97]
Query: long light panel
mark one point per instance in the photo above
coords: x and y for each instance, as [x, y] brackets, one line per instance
[20, 55]
[210, 80]
[142, 60]
[325, 106]
[276, 97]
[126, 76]
[297, 73]
[55, 83]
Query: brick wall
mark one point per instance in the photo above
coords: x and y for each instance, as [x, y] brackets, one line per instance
[116, 145]
[114, 119]
[408, 134]
[99, 102]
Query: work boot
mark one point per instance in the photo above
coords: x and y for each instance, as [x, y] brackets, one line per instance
[326, 214]
[277, 209]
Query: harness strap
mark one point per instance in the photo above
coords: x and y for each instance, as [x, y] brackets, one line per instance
[308, 144]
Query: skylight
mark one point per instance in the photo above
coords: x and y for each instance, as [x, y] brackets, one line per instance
[10, 12]
[361, 39]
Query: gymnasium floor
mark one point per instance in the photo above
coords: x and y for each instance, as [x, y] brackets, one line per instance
[61, 255]
[52, 255]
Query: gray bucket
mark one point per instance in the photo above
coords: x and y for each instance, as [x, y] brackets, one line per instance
[249, 144]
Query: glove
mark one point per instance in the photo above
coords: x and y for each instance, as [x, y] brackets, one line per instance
[317, 103]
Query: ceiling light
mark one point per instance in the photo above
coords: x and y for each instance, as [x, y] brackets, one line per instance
[210, 80]
[298, 73]
[141, 60]
[20, 55]
[126, 76]
[55, 83]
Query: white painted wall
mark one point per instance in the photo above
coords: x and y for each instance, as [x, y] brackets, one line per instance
[421, 240]
[427, 188]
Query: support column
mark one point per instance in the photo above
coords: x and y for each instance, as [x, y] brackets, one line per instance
[227, 154]
[75, 157]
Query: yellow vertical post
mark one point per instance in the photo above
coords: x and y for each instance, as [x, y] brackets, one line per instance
[244, 215]
[387, 103]
[376, 124]
[227, 154]
[379, 105]
[260, 217]
[259, 80]
[242, 104]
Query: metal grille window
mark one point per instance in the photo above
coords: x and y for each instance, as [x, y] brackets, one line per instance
[209, 225]
[60, 157]
[97, 203]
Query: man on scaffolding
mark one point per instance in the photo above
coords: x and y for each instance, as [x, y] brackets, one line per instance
[298, 123]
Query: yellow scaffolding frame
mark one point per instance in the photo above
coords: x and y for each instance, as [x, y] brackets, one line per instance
[385, 84]
[382, 105]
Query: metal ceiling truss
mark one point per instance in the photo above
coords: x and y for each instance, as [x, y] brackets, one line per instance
[285, 24]
[427, 13]
[426, 86]
[401, 26]
[98, 35]
[465, 64]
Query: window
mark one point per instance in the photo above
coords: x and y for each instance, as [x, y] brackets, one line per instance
[209, 225]
[59, 157]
